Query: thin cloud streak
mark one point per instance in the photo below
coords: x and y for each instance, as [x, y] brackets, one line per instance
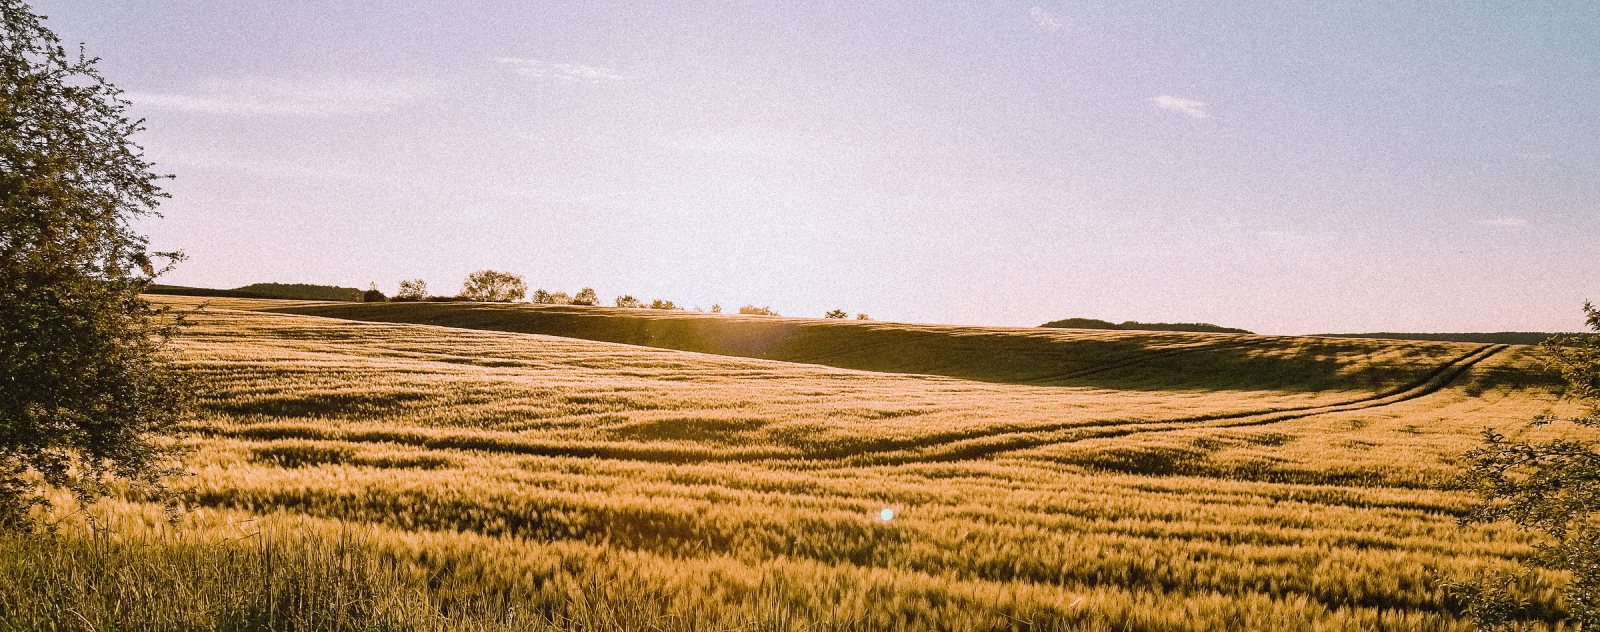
[1191, 108]
[541, 69]
[252, 96]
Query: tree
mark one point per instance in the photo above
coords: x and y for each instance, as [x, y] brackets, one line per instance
[838, 313]
[662, 304]
[541, 297]
[490, 285]
[759, 311]
[716, 308]
[413, 290]
[372, 295]
[1551, 488]
[87, 391]
[627, 300]
[863, 317]
[586, 296]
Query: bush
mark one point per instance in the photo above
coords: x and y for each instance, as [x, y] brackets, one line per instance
[493, 286]
[863, 317]
[759, 311]
[541, 297]
[838, 313]
[716, 308]
[1546, 487]
[586, 296]
[627, 300]
[89, 389]
[372, 295]
[661, 304]
[560, 298]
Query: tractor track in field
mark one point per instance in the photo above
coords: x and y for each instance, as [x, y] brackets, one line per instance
[1159, 355]
[989, 445]
[946, 448]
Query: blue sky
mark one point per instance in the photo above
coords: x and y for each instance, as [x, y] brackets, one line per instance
[1281, 167]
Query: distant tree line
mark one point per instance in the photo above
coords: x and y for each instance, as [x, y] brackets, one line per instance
[481, 286]
[1134, 325]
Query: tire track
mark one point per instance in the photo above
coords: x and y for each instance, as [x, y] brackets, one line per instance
[1085, 372]
[982, 446]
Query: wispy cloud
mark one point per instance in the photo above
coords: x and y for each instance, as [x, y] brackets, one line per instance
[1504, 222]
[1046, 21]
[255, 95]
[1191, 108]
[560, 72]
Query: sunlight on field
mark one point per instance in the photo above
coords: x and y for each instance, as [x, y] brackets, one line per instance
[498, 468]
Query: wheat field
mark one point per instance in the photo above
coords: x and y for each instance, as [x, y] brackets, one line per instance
[458, 468]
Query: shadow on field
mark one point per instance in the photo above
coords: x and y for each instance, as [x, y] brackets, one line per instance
[1122, 360]
[317, 404]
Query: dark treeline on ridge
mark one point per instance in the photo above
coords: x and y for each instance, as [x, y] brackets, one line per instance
[291, 291]
[1134, 325]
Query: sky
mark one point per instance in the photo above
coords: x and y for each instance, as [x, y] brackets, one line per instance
[1283, 167]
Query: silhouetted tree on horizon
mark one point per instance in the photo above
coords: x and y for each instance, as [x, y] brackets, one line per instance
[413, 290]
[493, 286]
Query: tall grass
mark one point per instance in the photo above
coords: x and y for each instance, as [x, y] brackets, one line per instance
[422, 477]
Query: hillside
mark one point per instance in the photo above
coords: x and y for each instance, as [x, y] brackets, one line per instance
[658, 489]
[1125, 360]
[1498, 338]
[1134, 325]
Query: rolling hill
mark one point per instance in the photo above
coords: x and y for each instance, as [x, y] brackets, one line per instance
[735, 472]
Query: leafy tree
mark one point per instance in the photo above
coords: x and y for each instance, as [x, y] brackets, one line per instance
[490, 285]
[863, 317]
[838, 313]
[1551, 488]
[716, 308]
[586, 296]
[86, 390]
[413, 290]
[541, 297]
[372, 295]
[627, 300]
[663, 304]
[759, 311]
[560, 298]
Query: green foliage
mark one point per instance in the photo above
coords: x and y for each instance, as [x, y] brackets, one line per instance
[838, 313]
[1551, 488]
[493, 286]
[303, 291]
[86, 387]
[412, 290]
